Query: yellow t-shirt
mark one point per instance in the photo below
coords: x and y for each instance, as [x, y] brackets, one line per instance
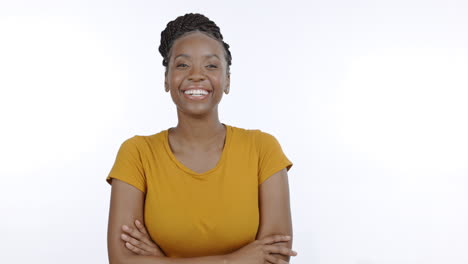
[191, 214]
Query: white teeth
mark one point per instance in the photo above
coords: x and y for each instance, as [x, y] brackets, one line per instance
[196, 92]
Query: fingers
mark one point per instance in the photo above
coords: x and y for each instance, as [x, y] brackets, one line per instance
[275, 239]
[271, 259]
[141, 227]
[277, 249]
[136, 243]
[136, 250]
[137, 234]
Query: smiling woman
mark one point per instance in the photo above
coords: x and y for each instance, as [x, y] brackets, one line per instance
[197, 72]
[204, 191]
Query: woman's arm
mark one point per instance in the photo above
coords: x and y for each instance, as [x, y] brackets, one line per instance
[275, 212]
[127, 205]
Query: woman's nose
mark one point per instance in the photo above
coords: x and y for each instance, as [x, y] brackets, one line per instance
[196, 74]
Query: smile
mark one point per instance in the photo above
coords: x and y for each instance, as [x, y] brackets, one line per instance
[196, 94]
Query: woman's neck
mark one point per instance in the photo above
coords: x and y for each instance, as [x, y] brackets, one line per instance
[193, 131]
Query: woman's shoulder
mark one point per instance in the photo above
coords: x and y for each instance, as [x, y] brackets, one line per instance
[141, 141]
[244, 132]
[257, 134]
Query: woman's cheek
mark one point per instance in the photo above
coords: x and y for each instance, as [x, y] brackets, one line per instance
[215, 79]
[177, 80]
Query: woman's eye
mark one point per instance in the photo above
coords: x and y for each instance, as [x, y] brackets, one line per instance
[182, 65]
[212, 66]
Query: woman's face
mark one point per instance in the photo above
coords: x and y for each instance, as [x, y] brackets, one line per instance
[197, 63]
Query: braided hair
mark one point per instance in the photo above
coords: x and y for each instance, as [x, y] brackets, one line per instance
[188, 23]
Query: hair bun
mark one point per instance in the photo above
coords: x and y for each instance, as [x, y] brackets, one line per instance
[187, 23]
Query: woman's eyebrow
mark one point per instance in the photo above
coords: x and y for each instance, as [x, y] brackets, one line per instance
[181, 55]
[205, 56]
[212, 55]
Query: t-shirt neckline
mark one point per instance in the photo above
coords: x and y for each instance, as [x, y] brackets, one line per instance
[188, 170]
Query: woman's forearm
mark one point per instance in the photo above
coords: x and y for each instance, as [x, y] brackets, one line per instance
[220, 259]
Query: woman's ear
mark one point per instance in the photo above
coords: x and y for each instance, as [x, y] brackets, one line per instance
[228, 83]
[166, 85]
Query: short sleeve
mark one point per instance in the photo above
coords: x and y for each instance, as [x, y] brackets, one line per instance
[271, 156]
[128, 166]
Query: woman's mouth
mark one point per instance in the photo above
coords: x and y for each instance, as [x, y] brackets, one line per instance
[196, 94]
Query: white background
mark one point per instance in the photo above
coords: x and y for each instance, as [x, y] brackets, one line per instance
[367, 98]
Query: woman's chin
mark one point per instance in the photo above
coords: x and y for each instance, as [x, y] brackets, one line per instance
[198, 111]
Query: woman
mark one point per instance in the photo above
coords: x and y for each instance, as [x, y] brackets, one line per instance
[198, 192]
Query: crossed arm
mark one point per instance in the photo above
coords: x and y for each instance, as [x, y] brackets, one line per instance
[127, 205]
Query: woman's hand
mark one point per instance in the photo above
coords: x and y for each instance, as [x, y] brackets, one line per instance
[258, 251]
[139, 242]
